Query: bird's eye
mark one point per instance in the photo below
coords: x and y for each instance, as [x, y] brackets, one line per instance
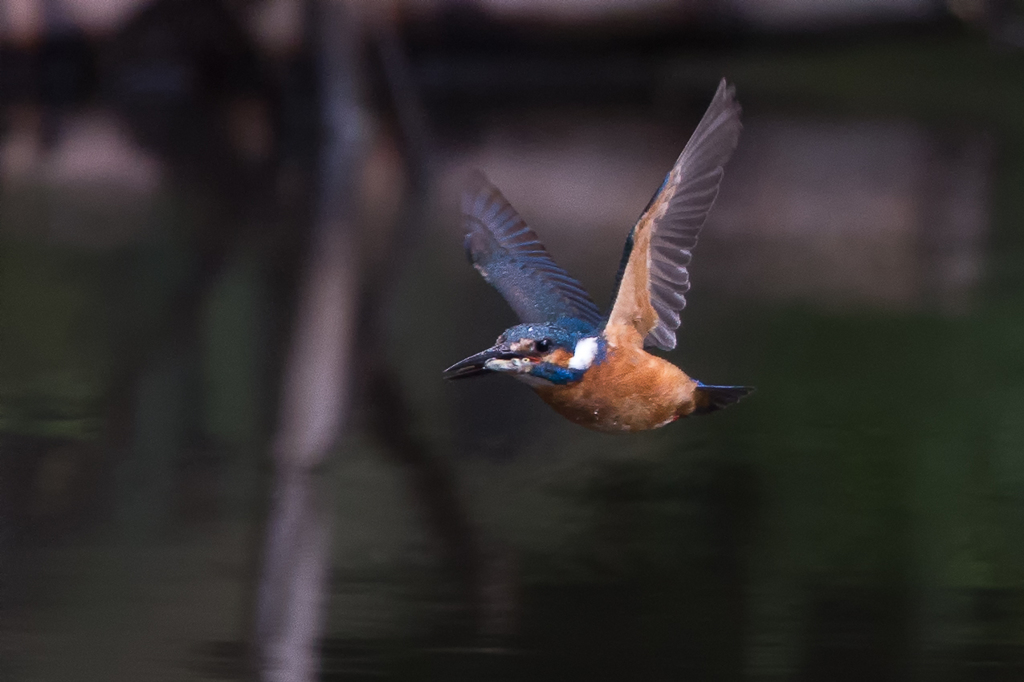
[542, 346]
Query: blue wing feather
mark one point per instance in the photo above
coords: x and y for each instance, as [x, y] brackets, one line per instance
[508, 254]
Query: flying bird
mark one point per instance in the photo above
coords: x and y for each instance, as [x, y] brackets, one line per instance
[592, 367]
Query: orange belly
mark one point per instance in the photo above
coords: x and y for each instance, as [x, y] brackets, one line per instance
[630, 390]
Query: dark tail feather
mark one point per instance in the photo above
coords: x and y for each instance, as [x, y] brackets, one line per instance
[713, 398]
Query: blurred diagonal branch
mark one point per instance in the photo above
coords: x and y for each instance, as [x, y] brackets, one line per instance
[431, 480]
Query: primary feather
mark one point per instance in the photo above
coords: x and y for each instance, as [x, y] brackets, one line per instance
[653, 277]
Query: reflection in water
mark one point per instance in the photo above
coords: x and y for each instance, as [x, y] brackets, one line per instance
[856, 520]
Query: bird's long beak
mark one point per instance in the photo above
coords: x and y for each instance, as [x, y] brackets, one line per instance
[493, 359]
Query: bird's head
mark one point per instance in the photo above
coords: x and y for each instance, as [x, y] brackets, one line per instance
[540, 354]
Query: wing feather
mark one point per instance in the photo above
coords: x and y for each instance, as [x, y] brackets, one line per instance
[653, 276]
[508, 254]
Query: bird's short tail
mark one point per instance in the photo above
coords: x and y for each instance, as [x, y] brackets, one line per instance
[713, 398]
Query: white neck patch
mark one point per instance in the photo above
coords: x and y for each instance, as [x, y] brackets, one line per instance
[584, 353]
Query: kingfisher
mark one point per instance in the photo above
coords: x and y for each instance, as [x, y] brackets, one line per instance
[592, 367]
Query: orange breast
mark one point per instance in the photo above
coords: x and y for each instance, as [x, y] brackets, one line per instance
[631, 390]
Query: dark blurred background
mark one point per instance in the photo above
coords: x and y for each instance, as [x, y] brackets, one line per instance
[231, 273]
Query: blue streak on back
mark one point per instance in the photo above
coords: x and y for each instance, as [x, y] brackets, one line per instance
[627, 249]
[563, 332]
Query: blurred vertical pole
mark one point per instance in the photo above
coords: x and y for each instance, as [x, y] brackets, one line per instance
[485, 575]
[292, 591]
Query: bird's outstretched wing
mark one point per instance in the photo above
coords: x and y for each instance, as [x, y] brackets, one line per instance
[510, 257]
[653, 277]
